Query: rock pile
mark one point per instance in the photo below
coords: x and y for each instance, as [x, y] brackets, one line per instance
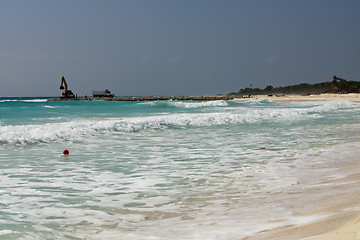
[147, 98]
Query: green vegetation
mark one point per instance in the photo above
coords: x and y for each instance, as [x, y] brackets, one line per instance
[303, 89]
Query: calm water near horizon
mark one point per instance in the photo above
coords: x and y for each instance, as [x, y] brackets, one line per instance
[165, 169]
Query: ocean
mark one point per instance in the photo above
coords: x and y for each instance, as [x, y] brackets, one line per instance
[167, 169]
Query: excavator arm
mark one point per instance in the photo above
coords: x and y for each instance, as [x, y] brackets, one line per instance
[63, 83]
[67, 93]
[340, 84]
[335, 79]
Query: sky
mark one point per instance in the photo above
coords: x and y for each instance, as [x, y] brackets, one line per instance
[174, 48]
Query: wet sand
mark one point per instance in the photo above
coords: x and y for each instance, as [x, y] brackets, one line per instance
[340, 214]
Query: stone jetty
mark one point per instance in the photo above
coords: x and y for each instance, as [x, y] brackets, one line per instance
[147, 98]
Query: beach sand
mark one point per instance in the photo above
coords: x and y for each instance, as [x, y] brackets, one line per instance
[354, 97]
[341, 213]
[340, 208]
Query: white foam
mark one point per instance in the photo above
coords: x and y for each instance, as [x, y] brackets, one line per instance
[35, 100]
[24, 100]
[333, 105]
[220, 103]
[47, 106]
[6, 232]
[9, 100]
[147, 103]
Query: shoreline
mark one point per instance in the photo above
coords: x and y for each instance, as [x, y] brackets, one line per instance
[337, 211]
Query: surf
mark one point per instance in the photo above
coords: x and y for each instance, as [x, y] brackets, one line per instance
[66, 129]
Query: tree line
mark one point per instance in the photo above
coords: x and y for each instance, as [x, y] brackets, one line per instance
[304, 89]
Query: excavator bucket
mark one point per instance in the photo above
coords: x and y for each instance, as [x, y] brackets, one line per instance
[62, 87]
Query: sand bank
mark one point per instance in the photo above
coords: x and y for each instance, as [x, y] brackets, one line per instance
[354, 97]
[339, 212]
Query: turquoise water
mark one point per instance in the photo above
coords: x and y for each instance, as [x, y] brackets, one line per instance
[164, 170]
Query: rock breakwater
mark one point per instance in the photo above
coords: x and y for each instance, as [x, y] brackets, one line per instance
[147, 98]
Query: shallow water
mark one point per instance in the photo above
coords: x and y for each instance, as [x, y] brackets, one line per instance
[164, 170]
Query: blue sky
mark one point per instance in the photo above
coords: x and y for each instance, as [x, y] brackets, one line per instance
[164, 47]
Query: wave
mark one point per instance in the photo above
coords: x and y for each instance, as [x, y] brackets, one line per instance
[47, 106]
[253, 101]
[334, 105]
[35, 100]
[9, 100]
[185, 104]
[24, 100]
[85, 128]
[220, 103]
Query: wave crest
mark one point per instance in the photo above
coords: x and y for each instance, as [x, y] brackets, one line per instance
[82, 129]
[220, 103]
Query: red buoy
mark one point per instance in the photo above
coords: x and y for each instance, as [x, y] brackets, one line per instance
[66, 152]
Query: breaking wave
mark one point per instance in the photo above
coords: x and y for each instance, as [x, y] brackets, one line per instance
[23, 100]
[47, 106]
[84, 128]
[220, 103]
[186, 104]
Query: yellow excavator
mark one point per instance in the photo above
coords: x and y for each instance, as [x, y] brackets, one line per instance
[341, 85]
[67, 93]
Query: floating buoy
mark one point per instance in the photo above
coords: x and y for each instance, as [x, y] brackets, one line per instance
[66, 152]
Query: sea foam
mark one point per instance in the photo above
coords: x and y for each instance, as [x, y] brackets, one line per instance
[24, 100]
[220, 103]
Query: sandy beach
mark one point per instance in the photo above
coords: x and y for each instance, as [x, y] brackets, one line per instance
[354, 97]
[341, 210]
[341, 213]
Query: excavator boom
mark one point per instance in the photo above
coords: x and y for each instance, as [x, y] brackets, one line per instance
[341, 84]
[335, 79]
[63, 83]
